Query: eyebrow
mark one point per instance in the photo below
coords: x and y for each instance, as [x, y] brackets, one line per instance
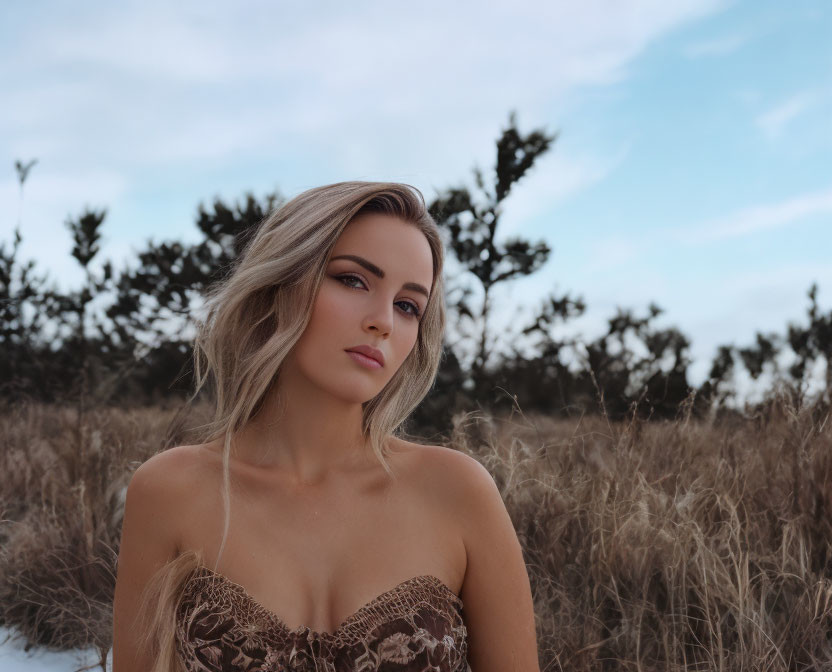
[375, 270]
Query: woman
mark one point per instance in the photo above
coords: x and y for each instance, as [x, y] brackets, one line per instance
[337, 545]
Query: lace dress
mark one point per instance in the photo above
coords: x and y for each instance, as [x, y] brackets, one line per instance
[416, 626]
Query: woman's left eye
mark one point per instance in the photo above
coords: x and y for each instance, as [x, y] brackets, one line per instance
[414, 309]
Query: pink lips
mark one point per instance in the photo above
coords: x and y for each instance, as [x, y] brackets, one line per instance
[367, 355]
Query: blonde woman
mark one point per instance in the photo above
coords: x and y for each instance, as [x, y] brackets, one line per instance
[304, 534]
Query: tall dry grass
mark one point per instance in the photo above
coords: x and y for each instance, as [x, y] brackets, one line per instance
[676, 545]
[686, 545]
[62, 495]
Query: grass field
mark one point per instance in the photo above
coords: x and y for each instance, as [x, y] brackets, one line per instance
[685, 545]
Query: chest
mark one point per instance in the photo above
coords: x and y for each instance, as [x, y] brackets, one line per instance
[314, 556]
[416, 626]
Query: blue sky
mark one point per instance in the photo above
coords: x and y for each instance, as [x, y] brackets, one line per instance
[693, 166]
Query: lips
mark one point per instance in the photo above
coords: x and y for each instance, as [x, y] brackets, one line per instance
[369, 351]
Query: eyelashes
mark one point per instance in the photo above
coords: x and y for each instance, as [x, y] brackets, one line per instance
[345, 277]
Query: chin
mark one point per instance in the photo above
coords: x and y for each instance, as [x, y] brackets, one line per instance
[354, 391]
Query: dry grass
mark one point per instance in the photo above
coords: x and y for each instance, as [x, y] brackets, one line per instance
[672, 546]
[61, 505]
[651, 546]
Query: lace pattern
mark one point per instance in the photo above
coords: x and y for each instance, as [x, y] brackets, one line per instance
[417, 626]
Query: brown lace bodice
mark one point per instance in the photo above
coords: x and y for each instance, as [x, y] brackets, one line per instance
[417, 626]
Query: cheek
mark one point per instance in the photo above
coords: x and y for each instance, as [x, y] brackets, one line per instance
[328, 315]
[406, 343]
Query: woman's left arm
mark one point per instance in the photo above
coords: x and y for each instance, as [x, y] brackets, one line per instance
[496, 594]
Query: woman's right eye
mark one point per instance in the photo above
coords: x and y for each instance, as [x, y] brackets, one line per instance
[344, 279]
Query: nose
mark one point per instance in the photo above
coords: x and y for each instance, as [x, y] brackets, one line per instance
[380, 317]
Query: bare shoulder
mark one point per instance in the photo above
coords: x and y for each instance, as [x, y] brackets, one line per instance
[459, 485]
[451, 470]
[495, 588]
[170, 469]
[170, 480]
[156, 510]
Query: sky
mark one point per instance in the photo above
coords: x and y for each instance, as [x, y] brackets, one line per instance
[692, 166]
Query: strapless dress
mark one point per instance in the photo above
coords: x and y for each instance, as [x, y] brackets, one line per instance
[416, 626]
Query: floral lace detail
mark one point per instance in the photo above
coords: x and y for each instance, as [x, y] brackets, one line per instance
[417, 626]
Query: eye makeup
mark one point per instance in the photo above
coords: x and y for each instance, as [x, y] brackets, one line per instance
[375, 270]
[344, 278]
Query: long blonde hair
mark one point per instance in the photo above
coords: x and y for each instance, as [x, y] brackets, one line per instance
[256, 315]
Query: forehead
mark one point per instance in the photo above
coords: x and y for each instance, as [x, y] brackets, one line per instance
[398, 247]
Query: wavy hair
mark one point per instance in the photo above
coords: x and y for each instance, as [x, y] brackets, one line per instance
[257, 314]
[254, 317]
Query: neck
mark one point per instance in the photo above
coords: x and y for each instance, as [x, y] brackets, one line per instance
[303, 433]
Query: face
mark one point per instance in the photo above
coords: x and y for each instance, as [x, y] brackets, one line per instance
[371, 296]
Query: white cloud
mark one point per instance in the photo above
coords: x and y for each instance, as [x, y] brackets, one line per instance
[612, 252]
[186, 82]
[555, 179]
[748, 96]
[295, 94]
[764, 289]
[756, 218]
[717, 47]
[773, 121]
